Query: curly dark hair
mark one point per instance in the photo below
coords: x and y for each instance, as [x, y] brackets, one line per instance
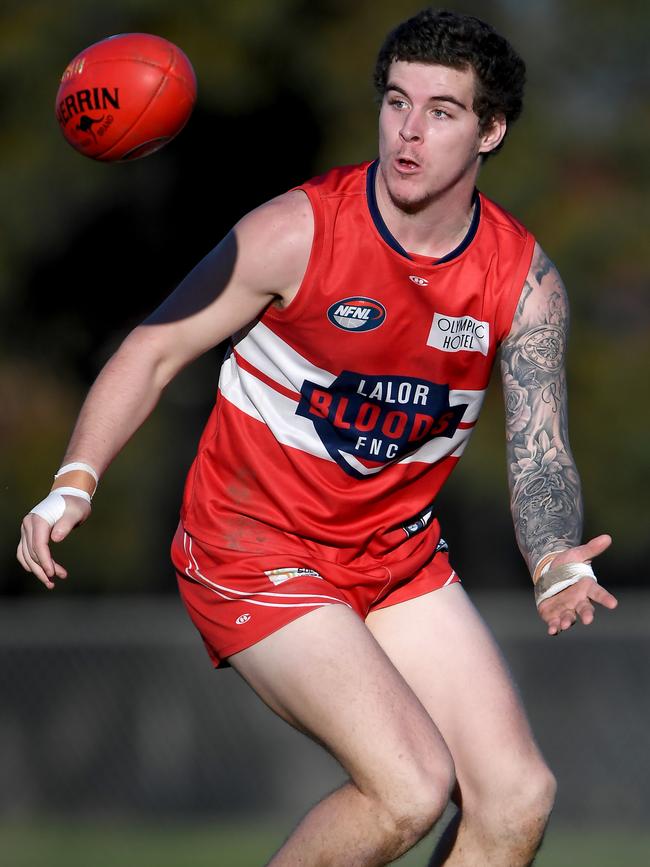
[460, 41]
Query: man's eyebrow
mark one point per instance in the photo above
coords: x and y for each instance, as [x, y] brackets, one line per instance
[441, 97]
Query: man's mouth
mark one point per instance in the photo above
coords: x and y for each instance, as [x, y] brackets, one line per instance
[406, 164]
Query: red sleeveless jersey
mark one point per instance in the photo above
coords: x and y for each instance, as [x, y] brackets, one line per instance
[339, 417]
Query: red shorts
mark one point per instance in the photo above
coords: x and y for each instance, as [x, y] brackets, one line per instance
[235, 599]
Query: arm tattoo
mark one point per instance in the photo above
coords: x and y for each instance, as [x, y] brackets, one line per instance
[544, 483]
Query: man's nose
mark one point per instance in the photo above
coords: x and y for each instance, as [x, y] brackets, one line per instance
[411, 128]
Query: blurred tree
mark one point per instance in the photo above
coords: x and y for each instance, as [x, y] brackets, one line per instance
[88, 249]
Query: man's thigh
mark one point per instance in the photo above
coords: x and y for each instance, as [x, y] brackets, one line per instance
[325, 674]
[447, 655]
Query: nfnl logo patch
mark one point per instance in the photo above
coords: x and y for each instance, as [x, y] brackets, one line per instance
[357, 314]
[367, 422]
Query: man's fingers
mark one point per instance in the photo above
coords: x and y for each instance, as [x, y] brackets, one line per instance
[602, 597]
[577, 602]
[77, 511]
[561, 621]
[33, 551]
[584, 553]
[567, 619]
[597, 545]
[63, 527]
[21, 557]
[30, 540]
[39, 547]
[29, 564]
[585, 612]
[36, 534]
[59, 570]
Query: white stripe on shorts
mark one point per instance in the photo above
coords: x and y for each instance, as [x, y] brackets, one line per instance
[242, 596]
[450, 579]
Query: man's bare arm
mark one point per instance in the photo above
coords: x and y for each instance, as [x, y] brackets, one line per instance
[546, 499]
[260, 262]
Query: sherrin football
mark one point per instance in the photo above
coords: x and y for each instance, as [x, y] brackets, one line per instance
[125, 97]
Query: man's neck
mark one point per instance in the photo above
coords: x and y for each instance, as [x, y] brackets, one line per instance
[434, 230]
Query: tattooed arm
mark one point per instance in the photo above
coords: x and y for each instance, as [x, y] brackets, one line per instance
[544, 484]
[546, 501]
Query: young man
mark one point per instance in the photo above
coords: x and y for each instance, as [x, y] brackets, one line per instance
[368, 307]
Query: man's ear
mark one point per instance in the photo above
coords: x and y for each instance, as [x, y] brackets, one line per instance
[493, 135]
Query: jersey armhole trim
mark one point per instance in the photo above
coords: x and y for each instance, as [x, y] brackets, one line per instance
[506, 312]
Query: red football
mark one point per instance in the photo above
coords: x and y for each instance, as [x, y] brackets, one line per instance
[125, 97]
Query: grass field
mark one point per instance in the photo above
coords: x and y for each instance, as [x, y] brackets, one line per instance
[250, 845]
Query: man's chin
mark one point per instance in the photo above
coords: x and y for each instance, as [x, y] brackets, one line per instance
[409, 204]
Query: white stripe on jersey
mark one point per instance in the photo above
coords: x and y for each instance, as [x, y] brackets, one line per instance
[356, 464]
[257, 399]
[230, 387]
[270, 354]
[439, 447]
[473, 399]
[265, 351]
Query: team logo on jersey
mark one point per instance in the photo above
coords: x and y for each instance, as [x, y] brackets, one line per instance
[357, 314]
[456, 333]
[419, 281]
[367, 422]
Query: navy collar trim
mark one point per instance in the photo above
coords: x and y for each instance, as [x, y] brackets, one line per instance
[390, 239]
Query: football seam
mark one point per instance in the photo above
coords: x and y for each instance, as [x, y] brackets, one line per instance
[144, 110]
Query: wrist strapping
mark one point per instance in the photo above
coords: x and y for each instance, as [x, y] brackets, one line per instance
[76, 475]
[52, 508]
[556, 579]
[544, 564]
[77, 465]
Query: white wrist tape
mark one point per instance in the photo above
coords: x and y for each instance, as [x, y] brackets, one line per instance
[558, 578]
[544, 564]
[77, 465]
[52, 508]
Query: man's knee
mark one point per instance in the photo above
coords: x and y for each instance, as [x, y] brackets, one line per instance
[412, 807]
[517, 808]
[532, 800]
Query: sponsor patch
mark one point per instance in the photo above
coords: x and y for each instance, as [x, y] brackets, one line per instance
[357, 314]
[458, 333]
[279, 576]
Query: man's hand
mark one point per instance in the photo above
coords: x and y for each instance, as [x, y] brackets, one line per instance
[561, 611]
[35, 534]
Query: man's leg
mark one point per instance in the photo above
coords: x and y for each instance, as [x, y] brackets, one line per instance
[326, 675]
[448, 657]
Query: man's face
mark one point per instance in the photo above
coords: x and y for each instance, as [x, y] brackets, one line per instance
[428, 133]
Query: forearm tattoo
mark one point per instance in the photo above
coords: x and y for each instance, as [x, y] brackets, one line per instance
[544, 483]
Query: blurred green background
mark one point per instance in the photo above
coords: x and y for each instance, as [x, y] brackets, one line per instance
[88, 249]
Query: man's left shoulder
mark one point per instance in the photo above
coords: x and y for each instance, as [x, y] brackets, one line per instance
[501, 220]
